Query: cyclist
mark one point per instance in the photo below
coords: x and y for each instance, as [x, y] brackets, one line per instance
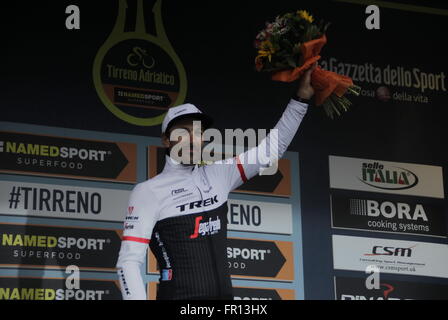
[182, 212]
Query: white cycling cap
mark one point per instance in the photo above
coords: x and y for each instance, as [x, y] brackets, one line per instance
[185, 111]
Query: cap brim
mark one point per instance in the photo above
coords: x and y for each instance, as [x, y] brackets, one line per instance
[206, 121]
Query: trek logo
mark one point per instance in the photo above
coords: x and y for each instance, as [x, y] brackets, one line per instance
[180, 111]
[198, 204]
[129, 216]
[123, 283]
[387, 178]
[209, 227]
[391, 251]
[387, 209]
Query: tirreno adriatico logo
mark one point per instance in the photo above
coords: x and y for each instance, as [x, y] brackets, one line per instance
[378, 175]
[138, 75]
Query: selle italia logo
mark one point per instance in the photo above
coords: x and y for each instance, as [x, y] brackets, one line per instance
[378, 175]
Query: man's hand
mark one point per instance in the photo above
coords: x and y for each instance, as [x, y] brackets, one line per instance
[305, 90]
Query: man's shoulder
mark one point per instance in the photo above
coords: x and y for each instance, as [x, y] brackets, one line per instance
[146, 185]
[153, 183]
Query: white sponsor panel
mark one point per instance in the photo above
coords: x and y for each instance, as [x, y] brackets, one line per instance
[58, 201]
[257, 216]
[391, 256]
[386, 177]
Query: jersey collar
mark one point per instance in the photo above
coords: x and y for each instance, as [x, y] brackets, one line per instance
[173, 165]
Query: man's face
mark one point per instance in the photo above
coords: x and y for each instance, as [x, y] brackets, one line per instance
[184, 141]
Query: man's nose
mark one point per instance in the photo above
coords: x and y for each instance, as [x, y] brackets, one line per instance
[195, 138]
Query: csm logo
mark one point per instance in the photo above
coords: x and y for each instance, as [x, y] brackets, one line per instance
[387, 209]
[391, 251]
[383, 177]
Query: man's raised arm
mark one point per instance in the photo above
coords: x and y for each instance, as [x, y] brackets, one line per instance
[236, 171]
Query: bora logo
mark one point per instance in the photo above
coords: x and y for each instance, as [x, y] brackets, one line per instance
[138, 76]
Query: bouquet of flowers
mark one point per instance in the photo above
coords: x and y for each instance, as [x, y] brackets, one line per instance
[291, 44]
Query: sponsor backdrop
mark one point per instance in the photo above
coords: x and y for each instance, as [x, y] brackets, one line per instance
[50, 222]
[80, 125]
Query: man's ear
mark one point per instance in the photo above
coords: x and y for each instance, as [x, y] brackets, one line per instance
[165, 140]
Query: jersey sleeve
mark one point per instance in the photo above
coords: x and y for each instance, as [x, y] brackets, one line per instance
[140, 219]
[236, 171]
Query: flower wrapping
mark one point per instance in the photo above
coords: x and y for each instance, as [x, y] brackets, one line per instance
[292, 44]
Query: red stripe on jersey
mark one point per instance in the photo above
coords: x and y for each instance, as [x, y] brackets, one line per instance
[141, 240]
[241, 169]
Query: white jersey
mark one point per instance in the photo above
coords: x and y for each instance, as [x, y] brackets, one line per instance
[182, 214]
